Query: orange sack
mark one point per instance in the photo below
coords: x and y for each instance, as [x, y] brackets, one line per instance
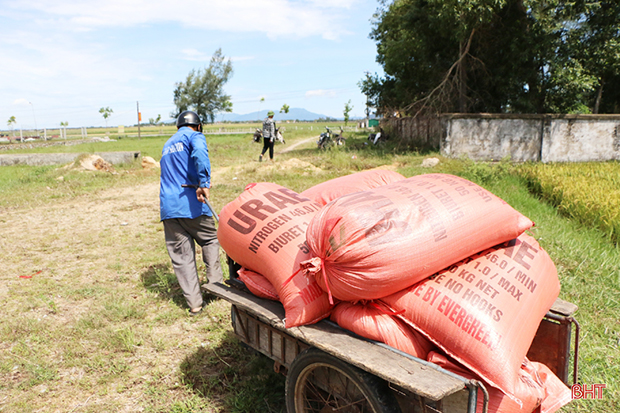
[257, 284]
[327, 191]
[264, 230]
[537, 387]
[557, 394]
[371, 244]
[377, 324]
[485, 310]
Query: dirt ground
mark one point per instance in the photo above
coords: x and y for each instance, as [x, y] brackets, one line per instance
[57, 236]
[70, 263]
[66, 263]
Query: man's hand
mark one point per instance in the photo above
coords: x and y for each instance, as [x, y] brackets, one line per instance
[202, 194]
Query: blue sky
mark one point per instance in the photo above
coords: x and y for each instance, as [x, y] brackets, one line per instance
[62, 60]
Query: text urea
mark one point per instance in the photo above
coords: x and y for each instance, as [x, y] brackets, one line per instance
[523, 255]
[245, 217]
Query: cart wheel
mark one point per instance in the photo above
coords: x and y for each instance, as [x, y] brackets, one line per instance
[319, 382]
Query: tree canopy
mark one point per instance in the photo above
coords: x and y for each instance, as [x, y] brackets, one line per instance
[203, 90]
[498, 56]
[105, 112]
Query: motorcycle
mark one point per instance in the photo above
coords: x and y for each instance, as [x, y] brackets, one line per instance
[279, 136]
[328, 139]
[378, 137]
[258, 135]
[339, 137]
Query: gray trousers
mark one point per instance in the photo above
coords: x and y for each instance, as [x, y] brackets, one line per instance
[180, 234]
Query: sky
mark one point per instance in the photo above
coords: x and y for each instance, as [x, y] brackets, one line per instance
[63, 60]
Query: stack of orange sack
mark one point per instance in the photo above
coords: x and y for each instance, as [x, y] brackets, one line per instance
[264, 230]
[433, 265]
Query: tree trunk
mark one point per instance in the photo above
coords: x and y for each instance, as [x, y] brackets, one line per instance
[462, 76]
[599, 95]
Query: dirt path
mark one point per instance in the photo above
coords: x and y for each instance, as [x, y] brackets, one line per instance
[58, 235]
[66, 237]
[297, 144]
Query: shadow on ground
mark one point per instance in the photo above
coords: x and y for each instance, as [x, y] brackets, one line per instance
[236, 376]
[160, 279]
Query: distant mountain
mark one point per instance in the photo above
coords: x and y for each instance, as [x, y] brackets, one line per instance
[293, 114]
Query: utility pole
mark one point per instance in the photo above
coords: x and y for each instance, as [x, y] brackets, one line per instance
[139, 118]
[35, 120]
[367, 103]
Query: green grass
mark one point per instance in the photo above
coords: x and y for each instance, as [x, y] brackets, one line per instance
[104, 326]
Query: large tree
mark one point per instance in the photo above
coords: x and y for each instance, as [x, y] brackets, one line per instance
[595, 43]
[522, 56]
[203, 90]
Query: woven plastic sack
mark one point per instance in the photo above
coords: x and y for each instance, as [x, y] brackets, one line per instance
[557, 394]
[485, 310]
[371, 321]
[529, 388]
[327, 191]
[257, 284]
[264, 230]
[371, 244]
[533, 377]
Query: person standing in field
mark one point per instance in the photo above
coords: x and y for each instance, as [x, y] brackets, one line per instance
[183, 194]
[269, 136]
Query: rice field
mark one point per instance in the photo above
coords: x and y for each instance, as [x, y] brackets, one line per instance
[586, 192]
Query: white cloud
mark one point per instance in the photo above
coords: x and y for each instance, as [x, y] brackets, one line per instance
[70, 59]
[21, 101]
[321, 93]
[55, 70]
[345, 4]
[275, 18]
[198, 56]
[195, 55]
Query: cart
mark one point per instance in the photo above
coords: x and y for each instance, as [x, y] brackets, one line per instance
[330, 369]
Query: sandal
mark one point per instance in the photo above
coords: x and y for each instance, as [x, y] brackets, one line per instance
[195, 313]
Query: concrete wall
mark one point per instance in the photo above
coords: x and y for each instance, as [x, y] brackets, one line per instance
[488, 137]
[546, 138]
[485, 139]
[581, 140]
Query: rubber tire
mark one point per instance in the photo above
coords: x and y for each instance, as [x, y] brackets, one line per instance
[378, 397]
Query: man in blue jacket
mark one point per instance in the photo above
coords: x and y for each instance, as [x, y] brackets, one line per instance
[183, 193]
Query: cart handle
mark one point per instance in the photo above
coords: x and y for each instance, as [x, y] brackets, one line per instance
[206, 202]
